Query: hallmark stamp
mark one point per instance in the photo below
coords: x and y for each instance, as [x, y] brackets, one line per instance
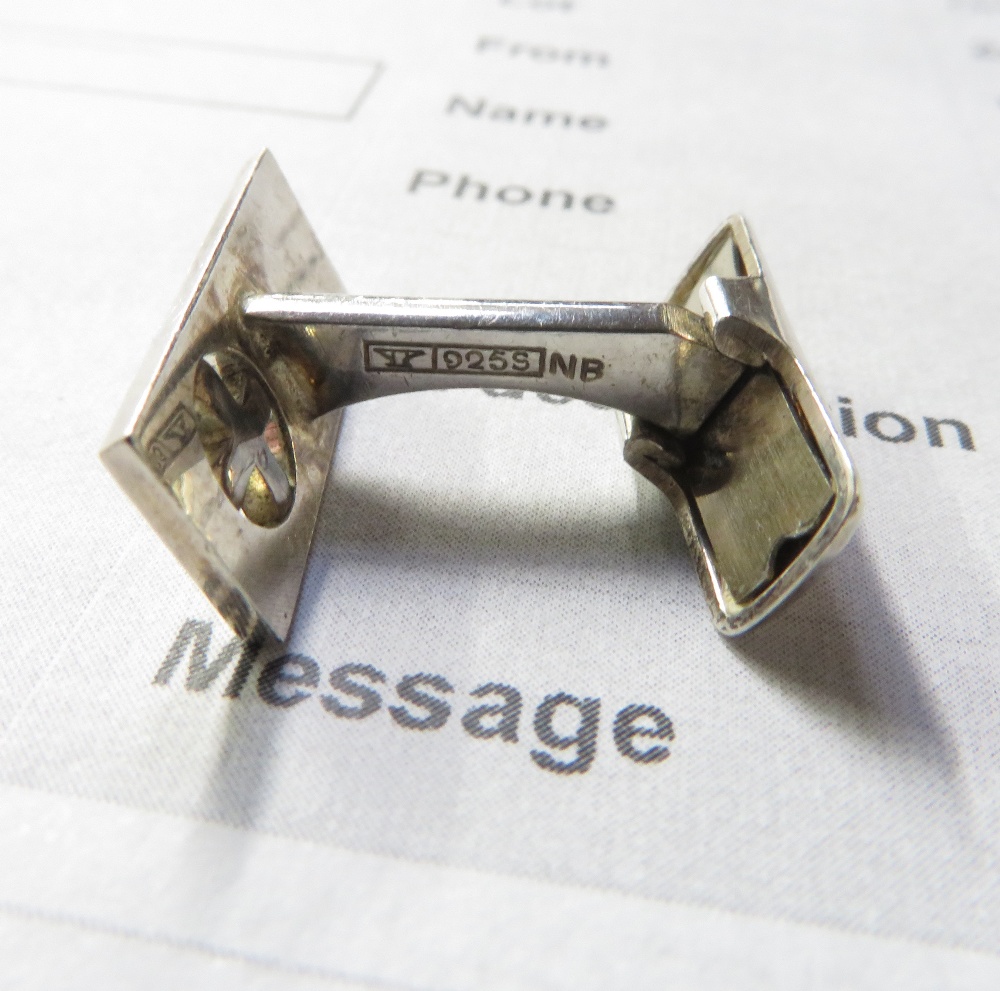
[175, 435]
[448, 360]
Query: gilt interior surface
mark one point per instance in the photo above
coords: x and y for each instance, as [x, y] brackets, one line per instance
[758, 484]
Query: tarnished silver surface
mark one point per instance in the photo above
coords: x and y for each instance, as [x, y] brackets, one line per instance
[180, 448]
[227, 448]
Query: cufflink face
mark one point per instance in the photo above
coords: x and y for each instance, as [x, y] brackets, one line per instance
[765, 489]
[220, 448]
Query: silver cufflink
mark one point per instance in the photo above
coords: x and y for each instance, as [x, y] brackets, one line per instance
[226, 442]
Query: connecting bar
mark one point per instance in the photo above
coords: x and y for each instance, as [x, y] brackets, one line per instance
[480, 314]
[652, 360]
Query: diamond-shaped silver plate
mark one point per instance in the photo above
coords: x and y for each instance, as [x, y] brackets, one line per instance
[161, 450]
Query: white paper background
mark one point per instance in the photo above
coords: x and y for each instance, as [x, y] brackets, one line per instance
[834, 769]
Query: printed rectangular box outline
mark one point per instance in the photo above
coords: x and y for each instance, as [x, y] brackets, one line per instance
[95, 57]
